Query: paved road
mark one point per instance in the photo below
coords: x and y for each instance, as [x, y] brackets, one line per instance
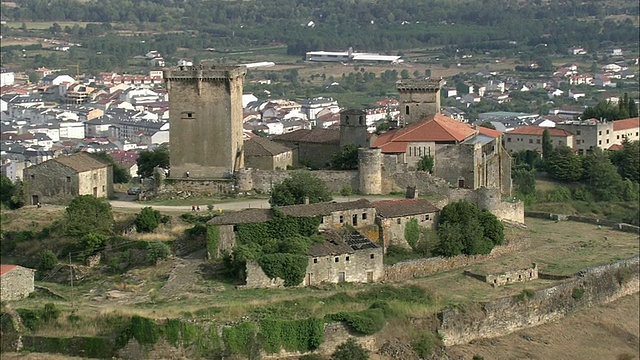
[235, 205]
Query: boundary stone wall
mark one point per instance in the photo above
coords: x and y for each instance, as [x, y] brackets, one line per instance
[424, 267]
[590, 287]
[584, 219]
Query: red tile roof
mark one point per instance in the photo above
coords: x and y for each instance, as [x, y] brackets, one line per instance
[625, 124]
[489, 132]
[435, 128]
[538, 130]
[403, 207]
[615, 147]
[6, 268]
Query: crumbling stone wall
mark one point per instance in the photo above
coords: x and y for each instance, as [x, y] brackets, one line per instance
[562, 217]
[424, 267]
[513, 276]
[360, 266]
[591, 286]
[17, 284]
[392, 229]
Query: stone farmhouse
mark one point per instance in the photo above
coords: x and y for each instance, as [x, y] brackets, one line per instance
[16, 282]
[351, 256]
[341, 257]
[530, 138]
[59, 180]
[264, 154]
[392, 217]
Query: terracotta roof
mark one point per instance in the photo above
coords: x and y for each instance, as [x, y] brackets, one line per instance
[489, 132]
[316, 136]
[436, 128]
[242, 217]
[538, 130]
[259, 146]
[624, 124]
[615, 147]
[80, 162]
[337, 243]
[403, 207]
[324, 208]
[6, 268]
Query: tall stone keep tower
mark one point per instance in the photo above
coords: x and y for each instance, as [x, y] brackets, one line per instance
[205, 117]
[419, 98]
[353, 128]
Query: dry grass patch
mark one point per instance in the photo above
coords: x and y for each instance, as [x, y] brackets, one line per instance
[30, 218]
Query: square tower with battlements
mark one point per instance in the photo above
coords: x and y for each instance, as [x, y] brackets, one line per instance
[205, 118]
[419, 98]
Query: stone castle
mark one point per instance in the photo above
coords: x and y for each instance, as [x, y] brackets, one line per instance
[207, 148]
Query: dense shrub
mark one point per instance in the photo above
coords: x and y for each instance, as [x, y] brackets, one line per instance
[91, 243]
[88, 214]
[424, 344]
[292, 335]
[240, 339]
[289, 267]
[157, 250]
[350, 350]
[148, 219]
[365, 322]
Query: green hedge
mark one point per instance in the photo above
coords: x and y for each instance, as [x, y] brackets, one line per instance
[213, 239]
[293, 335]
[240, 339]
[366, 322]
[289, 267]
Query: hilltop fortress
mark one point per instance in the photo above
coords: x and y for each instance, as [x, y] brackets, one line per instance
[207, 154]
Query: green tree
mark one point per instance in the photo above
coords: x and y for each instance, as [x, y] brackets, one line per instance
[294, 189]
[120, 174]
[6, 190]
[88, 214]
[564, 164]
[404, 74]
[47, 261]
[148, 160]
[605, 110]
[90, 244]
[601, 177]
[426, 163]
[347, 159]
[547, 147]
[350, 350]
[524, 181]
[465, 229]
[628, 160]
[148, 219]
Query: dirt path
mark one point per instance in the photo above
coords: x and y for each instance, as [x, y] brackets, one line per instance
[182, 279]
[606, 332]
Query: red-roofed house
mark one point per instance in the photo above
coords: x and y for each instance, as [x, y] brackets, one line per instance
[626, 129]
[600, 133]
[16, 282]
[463, 155]
[530, 138]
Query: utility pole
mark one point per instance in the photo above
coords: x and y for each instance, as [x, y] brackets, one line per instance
[73, 306]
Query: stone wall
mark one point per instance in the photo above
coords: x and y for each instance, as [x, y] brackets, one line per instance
[562, 217]
[264, 181]
[514, 276]
[406, 270]
[392, 229]
[360, 266]
[16, 284]
[188, 187]
[592, 286]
